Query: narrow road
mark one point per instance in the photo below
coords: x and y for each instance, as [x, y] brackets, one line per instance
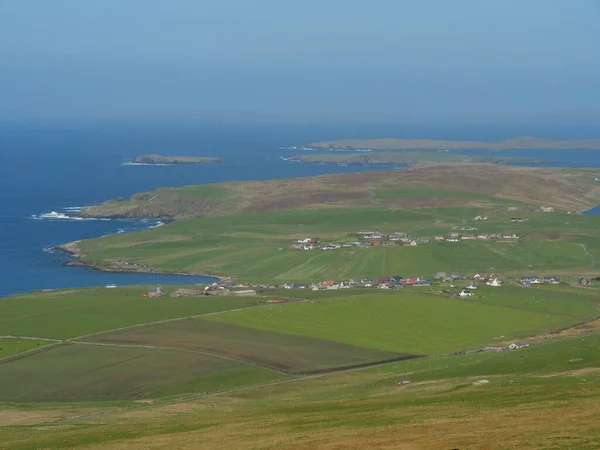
[592, 257]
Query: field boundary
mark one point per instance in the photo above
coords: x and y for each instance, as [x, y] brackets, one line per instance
[199, 351]
[158, 322]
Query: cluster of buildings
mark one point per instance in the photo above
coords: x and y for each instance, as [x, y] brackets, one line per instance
[376, 239]
[528, 281]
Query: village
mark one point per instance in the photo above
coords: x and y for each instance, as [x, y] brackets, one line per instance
[470, 283]
[377, 239]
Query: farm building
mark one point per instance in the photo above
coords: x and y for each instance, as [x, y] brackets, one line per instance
[155, 291]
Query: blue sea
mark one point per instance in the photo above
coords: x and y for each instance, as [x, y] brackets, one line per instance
[49, 170]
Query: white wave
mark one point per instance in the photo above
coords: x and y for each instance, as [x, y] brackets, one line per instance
[73, 208]
[53, 215]
[158, 224]
[130, 163]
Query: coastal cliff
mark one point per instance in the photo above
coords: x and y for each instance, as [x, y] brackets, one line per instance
[162, 160]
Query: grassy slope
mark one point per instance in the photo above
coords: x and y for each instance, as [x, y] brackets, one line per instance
[248, 245]
[551, 403]
[563, 188]
[67, 314]
[406, 322]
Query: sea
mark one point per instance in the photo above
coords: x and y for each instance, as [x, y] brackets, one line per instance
[50, 169]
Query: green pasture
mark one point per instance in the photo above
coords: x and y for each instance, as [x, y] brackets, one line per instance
[80, 372]
[9, 347]
[415, 323]
[255, 247]
[289, 353]
[66, 314]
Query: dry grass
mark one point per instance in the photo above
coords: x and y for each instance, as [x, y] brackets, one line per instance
[552, 187]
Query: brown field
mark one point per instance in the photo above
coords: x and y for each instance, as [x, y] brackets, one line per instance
[287, 353]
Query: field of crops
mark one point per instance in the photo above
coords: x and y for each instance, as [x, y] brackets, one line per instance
[91, 373]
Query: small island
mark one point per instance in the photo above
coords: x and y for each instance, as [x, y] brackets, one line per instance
[172, 160]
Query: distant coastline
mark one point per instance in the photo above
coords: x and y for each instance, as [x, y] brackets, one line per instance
[520, 143]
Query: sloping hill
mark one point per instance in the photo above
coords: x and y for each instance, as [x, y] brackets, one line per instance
[434, 185]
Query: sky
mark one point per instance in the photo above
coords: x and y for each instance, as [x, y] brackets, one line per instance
[425, 60]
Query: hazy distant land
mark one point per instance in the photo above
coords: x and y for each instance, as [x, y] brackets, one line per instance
[520, 143]
[158, 159]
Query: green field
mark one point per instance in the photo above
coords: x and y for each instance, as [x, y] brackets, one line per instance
[289, 353]
[406, 322]
[9, 347]
[255, 247]
[92, 373]
[70, 313]
[545, 396]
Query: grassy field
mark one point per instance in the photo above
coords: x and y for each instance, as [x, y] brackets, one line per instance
[66, 314]
[255, 246]
[535, 399]
[406, 322]
[289, 353]
[92, 373]
[9, 347]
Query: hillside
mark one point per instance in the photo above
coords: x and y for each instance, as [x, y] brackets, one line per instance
[520, 143]
[570, 189]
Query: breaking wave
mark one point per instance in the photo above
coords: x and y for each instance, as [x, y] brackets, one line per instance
[54, 215]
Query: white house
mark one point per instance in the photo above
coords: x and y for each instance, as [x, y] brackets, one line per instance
[495, 282]
[464, 293]
[471, 286]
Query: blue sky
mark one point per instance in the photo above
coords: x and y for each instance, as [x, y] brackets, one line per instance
[427, 60]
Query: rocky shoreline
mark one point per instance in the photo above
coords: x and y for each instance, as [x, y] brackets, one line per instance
[73, 251]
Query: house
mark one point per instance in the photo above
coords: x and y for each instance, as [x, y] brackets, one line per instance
[467, 237]
[482, 236]
[454, 235]
[155, 292]
[517, 219]
[413, 243]
[440, 275]
[439, 238]
[452, 240]
[471, 286]
[465, 293]
[494, 282]
[480, 218]
[394, 237]
[546, 209]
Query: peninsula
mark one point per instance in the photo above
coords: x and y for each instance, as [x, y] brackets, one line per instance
[520, 143]
[410, 158]
[161, 160]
